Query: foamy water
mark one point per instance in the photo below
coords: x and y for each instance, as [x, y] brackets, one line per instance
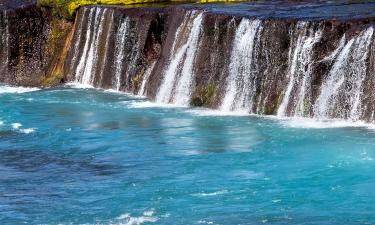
[293, 122]
[311, 123]
[79, 85]
[113, 154]
[17, 90]
[149, 104]
[210, 194]
[146, 217]
[17, 126]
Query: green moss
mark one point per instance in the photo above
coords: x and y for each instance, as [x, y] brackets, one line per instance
[68, 7]
[137, 80]
[57, 49]
[306, 106]
[271, 108]
[282, 61]
[204, 95]
[52, 81]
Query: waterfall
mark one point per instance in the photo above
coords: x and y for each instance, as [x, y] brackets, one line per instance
[106, 46]
[88, 62]
[92, 56]
[134, 56]
[300, 62]
[177, 84]
[121, 36]
[97, 32]
[146, 76]
[337, 51]
[340, 94]
[312, 70]
[78, 31]
[82, 61]
[241, 86]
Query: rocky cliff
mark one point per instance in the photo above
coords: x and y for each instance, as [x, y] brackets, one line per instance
[31, 42]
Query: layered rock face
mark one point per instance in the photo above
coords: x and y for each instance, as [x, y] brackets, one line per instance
[29, 40]
[320, 67]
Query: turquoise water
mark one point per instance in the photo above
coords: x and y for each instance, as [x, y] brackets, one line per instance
[85, 156]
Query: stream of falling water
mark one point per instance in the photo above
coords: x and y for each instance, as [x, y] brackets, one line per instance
[79, 30]
[108, 33]
[340, 94]
[82, 60]
[91, 61]
[177, 85]
[88, 62]
[146, 76]
[121, 37]
[241, 86]
[300, 62]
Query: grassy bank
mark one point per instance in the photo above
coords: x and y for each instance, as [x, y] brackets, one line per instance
[68, 7]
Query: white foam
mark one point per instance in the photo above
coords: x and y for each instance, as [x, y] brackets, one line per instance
[210, 194]
[78, 85]
[16, 125]
[1, 123]
[88, 86]
[213, 112]
[27, 131]
[17, 90]
[298, 122]
[205, 222]
[293, 122]
[148, 104]
[147, 217]
[121, 93]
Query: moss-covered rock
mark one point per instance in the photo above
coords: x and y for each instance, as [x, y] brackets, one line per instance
[137, 81]
[67, 8]
[204, 95]
[58, 43]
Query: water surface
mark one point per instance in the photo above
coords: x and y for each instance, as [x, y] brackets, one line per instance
[86, 156]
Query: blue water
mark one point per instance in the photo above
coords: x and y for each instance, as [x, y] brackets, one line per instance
[301, 9]
[81, 156]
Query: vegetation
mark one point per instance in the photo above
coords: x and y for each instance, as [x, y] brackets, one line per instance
[68, 7]
[204, 95]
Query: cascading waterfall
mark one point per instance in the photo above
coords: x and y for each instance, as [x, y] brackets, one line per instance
[82, 61]
[121, 37]
[78, 31]
[92, 56]
[88, 62]
[134, 56]
[300, 61]
[106, 46]
[95, 34]
[177, 84]
[340, 94]
[262, 77]
[146, 76]
[241, 86]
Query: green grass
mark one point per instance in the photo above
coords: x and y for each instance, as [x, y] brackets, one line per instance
[68, 7]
